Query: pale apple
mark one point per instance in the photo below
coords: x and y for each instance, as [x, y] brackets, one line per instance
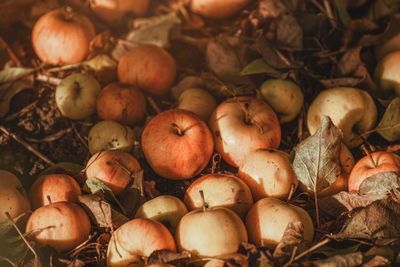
[217, 9]
[113, 11]
[165, 209]
[211, 232]
[387, 75]
[198, 101]
[350, 109]
[220, 190]
[76, 96]
[268, 218]
[135, 239]
[391, 45]
[177, 144]
[284, 96]
[241, 125]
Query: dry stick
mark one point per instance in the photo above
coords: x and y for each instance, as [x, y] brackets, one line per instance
[11, 53]
[300, 125]
[48, 79]
[23, 238]
[8, 260]
[329, 13]
[153, 104]
[366, 151]
[26, 145]
[203, 201]
[316, 246]
[291, 192]
[21, 111]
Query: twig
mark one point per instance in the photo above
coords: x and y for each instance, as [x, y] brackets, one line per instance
[316, 246]
[153, 104]
[48, 79]
[11, 53]
[329, 13]
[24, 110]
[26, 145]
[8, 260]
[300, 125]
[368, 153]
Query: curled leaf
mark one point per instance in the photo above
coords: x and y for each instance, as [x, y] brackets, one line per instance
[389, 126]
[380, 184]
[292, 241]
[259, 66]
[13, 74]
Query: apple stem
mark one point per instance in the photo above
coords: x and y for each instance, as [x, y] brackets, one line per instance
[49, 199]
[291, 192]
[153, 104]
[203, 201]
[69, 13]
[177, 129]
[368, 153]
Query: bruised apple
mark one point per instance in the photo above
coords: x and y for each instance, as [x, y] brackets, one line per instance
[220, 190]
[135, 239]
[54, 188]
[148, 67]
[241, 125]
[61, 225]
[217, 9]
[177, 144]
[62, 36]
[113, 167]
[113, 11]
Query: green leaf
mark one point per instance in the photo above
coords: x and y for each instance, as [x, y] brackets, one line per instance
[13, 74]
[343, 13]
[7, 91]
[389, 126]
[259, 66]
[95, 185]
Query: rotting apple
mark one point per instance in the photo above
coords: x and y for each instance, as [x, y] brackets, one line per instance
[115, 168]
[352, 110]
[62, 36]
[391, 45]
[110, 135]
[387, 75]
[376, 162]
[268, 173]
[165, 209]
[76, 96]
[61, 225]
[177, 144]
[135, 239]
[268, 218]
[54, 188]
[198, 101]
[149, 67]
[122, 103]
[241, 125]
[284, 96]
[220, 190]
[13, 197]
[216, 9]
[113, 11]
[210, 232]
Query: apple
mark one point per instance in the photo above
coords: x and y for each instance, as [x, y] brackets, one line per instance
[122, 103]
[149, 67]
[268, 173]
[220, 190]
[13, 197]
[62, 36]
[216, 9]
[76, 96]
[391, 45]
[61, 225]
[110, 135]
[113, 11]
[198, 101]
[165, 209]
[241, 125]
[177, 144]
[367, 166]
[113, 167]
[284, 96]
[57, 187]
[268, 218]
[210, 232]
[350, 109]
[135, 239]
[387, 75]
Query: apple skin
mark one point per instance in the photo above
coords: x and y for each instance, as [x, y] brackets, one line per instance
[216, 9]
[111, 167]
[198, 101]
[350, 109]
[76, 96]
[149, 67]
[284, 96]
[62, 36]
[391, 45]
[268, 218]
[136, 238]
[268, 173]
[364, 168]
[13, 197]
[387, 75]
[63, 226]
[177, 144]
[165, 209]
[220, 190]
[113, 11]
[234, 137]
[122, 103]
[213, 232]
[59, 187]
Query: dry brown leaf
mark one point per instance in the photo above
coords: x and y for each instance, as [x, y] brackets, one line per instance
[347, 260]
[292, 242]
[380, 184]
[166, 256]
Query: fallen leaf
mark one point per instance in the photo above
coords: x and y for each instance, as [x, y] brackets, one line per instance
[7, 91]
[380, 184]
[377, 261]
[342, 11]
[316, 159]
[13, 74]
[341, 82]
[389, 126]
[289, 33]
[292, 242]
[166, 256]
[350, 61]
[269, 54]
[346, 260]
[259, 66]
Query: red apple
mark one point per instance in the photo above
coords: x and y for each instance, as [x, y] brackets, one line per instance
[241, 125]
[177, 144]
[149, 67]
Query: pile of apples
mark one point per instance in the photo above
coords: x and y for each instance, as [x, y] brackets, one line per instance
[219, 211]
